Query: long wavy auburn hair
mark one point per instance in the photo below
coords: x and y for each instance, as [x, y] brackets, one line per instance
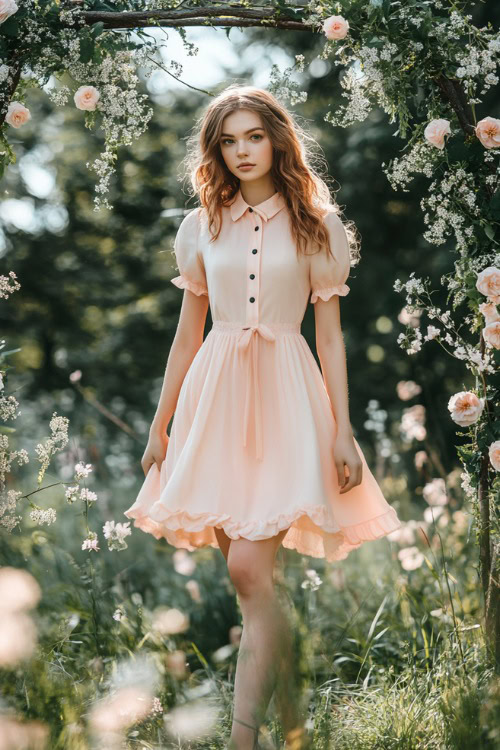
[305, 192]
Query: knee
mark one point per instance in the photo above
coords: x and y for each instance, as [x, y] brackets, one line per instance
[248, 578]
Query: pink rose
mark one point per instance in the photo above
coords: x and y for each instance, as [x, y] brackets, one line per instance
[335, 27]
[465, 408]
[86, 97]
[488, 283]
[488, 132]
[7, 8]
[494, 452]
[17, 114]
[491, 334]
[490, 312]
[435, 132]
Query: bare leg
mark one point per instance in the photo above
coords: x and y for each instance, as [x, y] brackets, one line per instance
[265, 646]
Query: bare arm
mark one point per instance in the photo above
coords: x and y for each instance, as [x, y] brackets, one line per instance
[187, 340]
[332, 357]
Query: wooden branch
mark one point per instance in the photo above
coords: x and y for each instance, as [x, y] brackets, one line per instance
[216, 16]
[452, 91]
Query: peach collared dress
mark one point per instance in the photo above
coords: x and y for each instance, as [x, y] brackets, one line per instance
[252, 440]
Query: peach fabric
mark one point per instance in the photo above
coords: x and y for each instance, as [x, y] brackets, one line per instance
[252, 440]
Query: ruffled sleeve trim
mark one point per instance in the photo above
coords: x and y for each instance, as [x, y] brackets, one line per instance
[194, 286]
[329, 291]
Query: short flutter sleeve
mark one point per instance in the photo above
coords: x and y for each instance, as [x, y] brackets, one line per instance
[190, 263]
[328, 274]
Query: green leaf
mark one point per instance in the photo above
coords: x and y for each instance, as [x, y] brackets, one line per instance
[489, 231]
[86, 50]
[97, 29]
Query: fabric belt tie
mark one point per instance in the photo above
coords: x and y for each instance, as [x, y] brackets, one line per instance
[244, 340]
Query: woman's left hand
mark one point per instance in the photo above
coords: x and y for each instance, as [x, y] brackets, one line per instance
[346, 454]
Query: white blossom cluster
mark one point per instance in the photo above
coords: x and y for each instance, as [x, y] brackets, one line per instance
[8, 284]
[40, 516]
[8, 504]
[9, 407]
[283, 87]
[448, 335]
[56, 442]
[115, 534]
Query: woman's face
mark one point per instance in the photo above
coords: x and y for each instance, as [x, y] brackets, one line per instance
[244, 139]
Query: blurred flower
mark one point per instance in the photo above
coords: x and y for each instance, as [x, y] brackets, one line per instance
[75, 376]
[460, 521]
[434, 492]
[435, 132]
[433, 513]
[91, 542]
[168, 621]
[175, 661]
[420, 458]
[116, 533]
[192, 721]
[82, 470]
[412, 423]
[313, 581]
[118, 614]
[465, 408]
[183, 562]
[235, 634]
[19, 590]
[407, 389]
[494, 454]
[87, 495]
[156, 707]
[405, 535]
[72, 493]
[408, 318]
[411, 558]
[22, 735]
[18, 638]
[194, 589]
[119, 711]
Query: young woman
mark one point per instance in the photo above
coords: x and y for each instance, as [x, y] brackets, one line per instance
[261, 451]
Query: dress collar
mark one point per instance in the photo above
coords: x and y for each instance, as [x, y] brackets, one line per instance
[266, 208]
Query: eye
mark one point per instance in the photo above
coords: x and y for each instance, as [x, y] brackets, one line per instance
[256, 135]
[225, 140]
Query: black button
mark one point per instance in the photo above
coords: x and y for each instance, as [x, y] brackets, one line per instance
[256, 229]
[252, 299]
[252, 276]
[250, 209]
[254, 250]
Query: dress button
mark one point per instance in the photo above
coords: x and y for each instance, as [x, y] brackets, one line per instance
[256, 229]
[252, 299]
[252, 276]
[254, 250]
[251, 210]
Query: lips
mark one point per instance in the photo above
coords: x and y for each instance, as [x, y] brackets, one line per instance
[246, 164]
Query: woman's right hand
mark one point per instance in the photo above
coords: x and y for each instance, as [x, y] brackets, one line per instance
[156, 450]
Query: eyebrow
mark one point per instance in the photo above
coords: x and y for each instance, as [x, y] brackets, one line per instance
[245, 133]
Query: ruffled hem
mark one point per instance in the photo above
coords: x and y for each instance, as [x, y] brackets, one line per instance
[329, 291]
[194, 286]
[326, 541]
